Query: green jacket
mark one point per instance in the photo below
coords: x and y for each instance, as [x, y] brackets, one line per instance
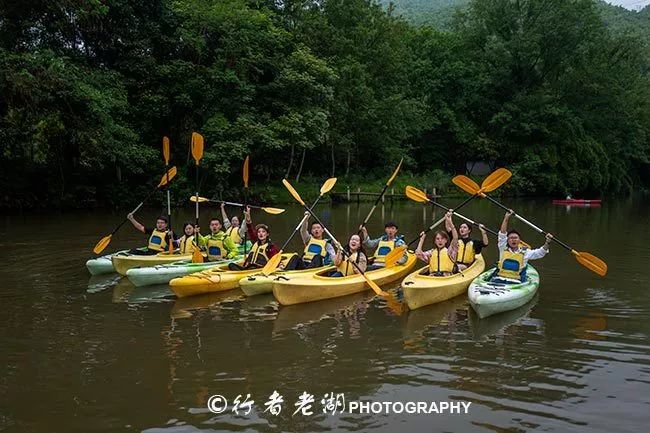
[228, 244]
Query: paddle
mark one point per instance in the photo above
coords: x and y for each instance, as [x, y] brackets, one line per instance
[269, 210]
[103, 242]
[587, 260]
[274, 262]
[245, 174]
[166, 156]
[421, 197]
[371, 283]
[383, 191]
[197, 154]
[497, 178]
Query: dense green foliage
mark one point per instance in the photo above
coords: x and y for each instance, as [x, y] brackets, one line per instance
[334, 87]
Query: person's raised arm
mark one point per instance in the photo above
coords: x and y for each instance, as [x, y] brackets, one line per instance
[304, 233]
[423, 236]
[504, 223]
[224, 216]
[452, 228]
[139, 227]
[484, 236]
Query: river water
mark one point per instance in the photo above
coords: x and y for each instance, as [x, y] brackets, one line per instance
[85, 354]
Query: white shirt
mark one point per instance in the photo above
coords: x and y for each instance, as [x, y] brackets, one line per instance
[529, 254]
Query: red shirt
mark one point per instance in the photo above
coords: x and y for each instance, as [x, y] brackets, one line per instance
[271, 250]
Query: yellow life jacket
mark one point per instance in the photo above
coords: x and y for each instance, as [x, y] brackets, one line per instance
[345, 267]
[186, 244]
[315, 247]
[511, 265]
[158, 240]
[216, 250]
[440, 261]
[383, 248]
[233, 233]
[258, 254]
[466, 252]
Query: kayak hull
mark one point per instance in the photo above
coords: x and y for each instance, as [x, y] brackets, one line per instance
[123, 262]
[577, 201]
[260, 284]
[421, 290]
[318, 286]
[102, 265]
[163, 274]
[488, 298]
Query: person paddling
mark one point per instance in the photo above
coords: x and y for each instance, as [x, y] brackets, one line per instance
[318, 250]
[442, 256]
[355, 254]
[468, 247]
[513, 258]
[219, 246]
[233, 229]
[159, 237]
[261, 251]
[383, 244]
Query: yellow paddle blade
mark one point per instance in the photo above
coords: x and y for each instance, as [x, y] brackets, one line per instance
[193, 199]
[293, 192]
[374, 286]
[197, 257]
[197, 147]
[394, 175]
[466, 184]
[168, 176]
[102, 244]
[495, 179]
[166, 150]
[272, 264]
[394, 256]
[416, 194]
[273, 210]
[524, 244]
[591, 262]
[395, 305]
[245, 172]
[327, 186]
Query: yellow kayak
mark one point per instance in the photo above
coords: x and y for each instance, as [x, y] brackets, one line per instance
[420, 289]
[259, 284]
[318, 286]
[122, 262]
[215, 279]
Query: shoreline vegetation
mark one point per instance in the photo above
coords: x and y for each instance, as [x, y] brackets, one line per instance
[557, 91]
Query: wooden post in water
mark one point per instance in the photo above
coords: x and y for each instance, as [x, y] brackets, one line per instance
[358, 194]
[348, 193]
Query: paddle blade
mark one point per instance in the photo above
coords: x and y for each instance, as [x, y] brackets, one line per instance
[102, 244]
[394, 175]
[273, 210]
[466, 184]
[197, 257]
[245, 172]
[416, 194]
[272, 264]
[167, 177]
[327, 186]
[193, 199]
[197, 147]
[524, 244]
[591, 262]
[393, 257]
[495, 179]
[166, 150]
[293, 192]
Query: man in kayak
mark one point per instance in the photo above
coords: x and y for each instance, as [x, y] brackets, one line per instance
[159, 237]
[262, 250]
[468, 247]
[513, 258]
[318, 250]
[218, 244]
[442, 257]
[383, 244]
[232, 226]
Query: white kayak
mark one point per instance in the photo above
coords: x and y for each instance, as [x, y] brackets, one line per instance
[489, 296]
[102, 265]
[163, 274]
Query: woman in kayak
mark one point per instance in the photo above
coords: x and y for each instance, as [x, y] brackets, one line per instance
[263, 249]
[159, 238]
[355, 254]
[232, 226]
[185, 243]
[468, 247]
[513, 258]
[442, 257]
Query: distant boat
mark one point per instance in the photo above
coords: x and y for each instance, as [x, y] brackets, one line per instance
[577, 202]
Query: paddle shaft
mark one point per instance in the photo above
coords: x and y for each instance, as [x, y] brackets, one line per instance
[196, 220]
[300, 224]
[372, 210]
[462, 217]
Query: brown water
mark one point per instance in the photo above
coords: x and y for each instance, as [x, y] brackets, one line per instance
[85, 354]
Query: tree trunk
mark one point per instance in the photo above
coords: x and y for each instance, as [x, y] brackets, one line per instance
[333, 162]
[302, 162]
[286, 176]
[347, 164]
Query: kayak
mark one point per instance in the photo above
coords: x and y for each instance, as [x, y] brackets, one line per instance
[259, 284]
[163, 274]
[488, 297]
[577, 201]
[216, 279]
[123, 261]
[421, 289]
[318, 286]
[103, 264]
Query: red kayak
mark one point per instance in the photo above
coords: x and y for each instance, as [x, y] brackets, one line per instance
[577, 201]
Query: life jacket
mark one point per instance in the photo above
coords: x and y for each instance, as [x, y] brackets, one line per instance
[466, 252]
[511, 265]
[345, 267]
[158, 240]
[216, 249]
[258, 255]
[233, 233]
[186, 244]
[440, 262]
[315, 247]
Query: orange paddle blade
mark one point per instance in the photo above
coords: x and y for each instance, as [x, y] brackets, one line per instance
[393, 257]
[272, 264]
[327, 186]
[495, 179]
[166, 150]
[200, 199]
[466, 184]
[197, 257]
[394, 175]
[591, 262]
[416, 194]
[168, 176]
[293, 191]
[245, 172]
[102, 244]
[272, 210]
[197, 147]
